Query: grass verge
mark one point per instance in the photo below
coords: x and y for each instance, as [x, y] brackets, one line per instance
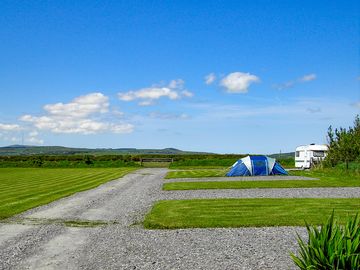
[327, 178]
[197, 173]
[211, 213]
[25, 188]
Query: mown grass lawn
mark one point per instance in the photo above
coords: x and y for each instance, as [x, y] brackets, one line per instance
[210, 213]
[25, 188]
[197, 173]
[327, 178]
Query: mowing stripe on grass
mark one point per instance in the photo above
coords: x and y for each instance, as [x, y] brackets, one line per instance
[30, 187]
[196, 173]
[258, 184]
[207, 213]
[327, 178]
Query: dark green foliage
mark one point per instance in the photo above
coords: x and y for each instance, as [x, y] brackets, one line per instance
[332, 246]
[344, 145]
[219, 161]
[69, 161]
[209, 162]
[103, 161]
[288, 162]
[88, 160]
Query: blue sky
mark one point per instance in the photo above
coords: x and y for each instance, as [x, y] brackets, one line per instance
[218, 76]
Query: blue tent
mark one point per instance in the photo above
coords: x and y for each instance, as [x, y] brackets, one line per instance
[256, 165]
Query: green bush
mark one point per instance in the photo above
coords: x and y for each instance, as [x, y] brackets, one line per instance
[203, 162]
[332, 246]
[288, 162]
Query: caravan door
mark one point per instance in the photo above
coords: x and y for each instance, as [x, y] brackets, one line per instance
[307, 159]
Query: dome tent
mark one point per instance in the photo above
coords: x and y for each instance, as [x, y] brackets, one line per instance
[256, 165]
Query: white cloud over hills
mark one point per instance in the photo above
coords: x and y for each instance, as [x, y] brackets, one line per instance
[147, 96]
[80, 116]
[9, 127]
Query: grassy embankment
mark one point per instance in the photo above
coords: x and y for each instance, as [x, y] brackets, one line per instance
[25, 188]
[210, 213]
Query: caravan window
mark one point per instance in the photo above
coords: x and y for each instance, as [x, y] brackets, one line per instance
[297, 154]
[318, 154]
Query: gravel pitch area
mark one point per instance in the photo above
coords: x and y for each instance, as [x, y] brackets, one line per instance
[126, 245]
[352, 192]
[243, 178]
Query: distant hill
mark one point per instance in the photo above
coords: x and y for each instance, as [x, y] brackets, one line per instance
[18, 150]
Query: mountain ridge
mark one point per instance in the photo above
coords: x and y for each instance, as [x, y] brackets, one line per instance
[13, 150]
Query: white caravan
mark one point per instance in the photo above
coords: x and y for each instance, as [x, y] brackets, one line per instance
[308, 155]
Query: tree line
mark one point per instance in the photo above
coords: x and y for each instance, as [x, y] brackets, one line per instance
[344, 145]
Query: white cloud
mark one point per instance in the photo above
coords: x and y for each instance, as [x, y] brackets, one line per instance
[146, 103]
[9, 127]
[176, 84]
[78, 116]
[121, 128]
[210, 78]
[149, 94]
[290, 84]
[33, 133]
[34, 140]
[308, 77]
[187, 93]
[285, 85]
[81, 106]
[14, 139]
[238, 82]
[168, 116]
[173, 91]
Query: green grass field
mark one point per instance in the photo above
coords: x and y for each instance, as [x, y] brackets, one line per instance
[327, 178]
[210, 213]
[197, 173]
[25, 188]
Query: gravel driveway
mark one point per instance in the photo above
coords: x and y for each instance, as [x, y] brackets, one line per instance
[122, 244]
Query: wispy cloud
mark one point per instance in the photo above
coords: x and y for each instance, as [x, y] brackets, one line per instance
[9, 127]
[307, 78]
[297, 110]
[78, 116]
[147, 96]
[168, 116]
[210, 78]
[238, 82]
[292, 83]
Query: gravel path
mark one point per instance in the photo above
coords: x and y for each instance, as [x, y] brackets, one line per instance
[125, 245]
[352, 192]
[241, 178]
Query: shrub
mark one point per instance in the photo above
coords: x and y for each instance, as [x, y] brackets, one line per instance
[332, 246]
